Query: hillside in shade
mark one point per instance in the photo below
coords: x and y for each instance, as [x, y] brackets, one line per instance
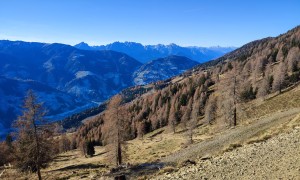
[161, 69]
[70, 80]
[67, 79]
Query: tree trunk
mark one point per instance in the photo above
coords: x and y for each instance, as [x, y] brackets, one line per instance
[37, 163]
[191, 136]
[234, 116]
[280, 87]
[173, 127]
[39, 173]
[119, 156]
[234, 100]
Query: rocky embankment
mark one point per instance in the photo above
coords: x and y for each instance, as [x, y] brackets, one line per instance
[276, 158]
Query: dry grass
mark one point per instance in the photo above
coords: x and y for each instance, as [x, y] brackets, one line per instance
[160, 143]
[167, 169]
[153, 148]
[282, 128]
[273, 103]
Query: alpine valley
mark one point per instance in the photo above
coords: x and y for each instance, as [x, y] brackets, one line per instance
[71, 79]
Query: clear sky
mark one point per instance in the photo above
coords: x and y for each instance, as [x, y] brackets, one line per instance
[184, 22]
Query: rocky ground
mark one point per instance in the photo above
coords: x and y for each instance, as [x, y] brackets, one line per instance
[275, 158]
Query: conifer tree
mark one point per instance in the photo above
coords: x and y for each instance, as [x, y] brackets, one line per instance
[279, 77]
[187, 114]
[210, 109]
[33, 147]
[192, 124]
[116, 129]
[172, 116]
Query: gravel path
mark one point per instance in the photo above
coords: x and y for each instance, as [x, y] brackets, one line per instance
[276, 158]
[231, 136]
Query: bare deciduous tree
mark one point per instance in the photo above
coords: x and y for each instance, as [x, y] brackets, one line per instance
[141, 129]
[230, 91]
[172, 116]
[210, 109]
[116, 129]
[64, 143]
[192, 123]
[279, 77]
[293, 59]
[264, 87]
[33, 147]
[187, 114]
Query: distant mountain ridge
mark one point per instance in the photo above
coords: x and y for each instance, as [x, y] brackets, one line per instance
[149, 52]
[162, 68]
[69, 79]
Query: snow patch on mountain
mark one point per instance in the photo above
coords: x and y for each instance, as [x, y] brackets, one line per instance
[146, 53]
[81, 74]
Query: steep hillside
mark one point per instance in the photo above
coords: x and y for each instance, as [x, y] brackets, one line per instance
[225, 117]
[161, 69]
[149, 52]
[90, 77]
[232, 151]
[213, 93]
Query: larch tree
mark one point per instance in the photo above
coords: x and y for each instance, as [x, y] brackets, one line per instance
[264, 87]
[279, 77]
[187, 114]
[210, 109]
[64, 143]
[165, 114]
[172, 119]
[293, 59]
[192, 123]
[259, 64]
[141, 129]
[33, 146]
[229, 88]
[116, 129]
[6, 150]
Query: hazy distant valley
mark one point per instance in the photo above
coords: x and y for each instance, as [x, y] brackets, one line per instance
[70, 80]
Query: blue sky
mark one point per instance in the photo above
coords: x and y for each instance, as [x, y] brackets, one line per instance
[184, 22]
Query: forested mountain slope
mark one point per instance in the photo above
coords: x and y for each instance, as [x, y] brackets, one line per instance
[215, 92]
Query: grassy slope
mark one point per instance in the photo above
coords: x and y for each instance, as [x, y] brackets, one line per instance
[263, 119]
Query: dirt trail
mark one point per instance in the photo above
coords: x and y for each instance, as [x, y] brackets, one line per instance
[232, 136]
[276, 158]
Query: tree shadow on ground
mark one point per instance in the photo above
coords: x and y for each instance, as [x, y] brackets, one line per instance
[81, 166]
[137, 170]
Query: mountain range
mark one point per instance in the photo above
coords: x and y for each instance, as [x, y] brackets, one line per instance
[69, 79]
[146, 53]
